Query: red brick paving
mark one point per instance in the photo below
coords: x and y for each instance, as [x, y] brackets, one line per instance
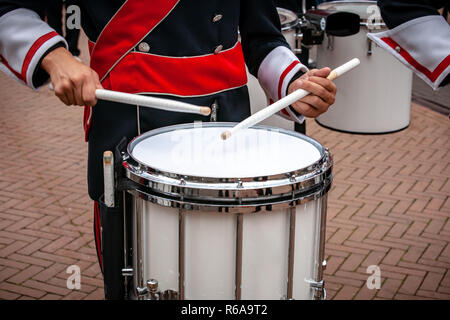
[389, 205]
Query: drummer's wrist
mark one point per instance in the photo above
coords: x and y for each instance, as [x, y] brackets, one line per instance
[295, 77]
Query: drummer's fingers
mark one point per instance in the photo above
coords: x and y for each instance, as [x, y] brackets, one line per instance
[63, 90]
[306, 109]
[89, 88]
[78, 94]
[316, 102]
[324, 82]
[317, 89]
[324, 72]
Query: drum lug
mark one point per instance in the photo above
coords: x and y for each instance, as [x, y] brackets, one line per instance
[141, 292]
[240, 184]
[298, 43]
[152, 293]
[152, 287]
[320, 293]
[139, 170]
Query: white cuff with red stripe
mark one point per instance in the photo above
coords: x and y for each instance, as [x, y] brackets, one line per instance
[422, 44]
[275, 73]
[24, 39]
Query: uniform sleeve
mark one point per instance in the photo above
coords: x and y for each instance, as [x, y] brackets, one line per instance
[24, 40]
[397, 12]
[267, 54]
[419, 37]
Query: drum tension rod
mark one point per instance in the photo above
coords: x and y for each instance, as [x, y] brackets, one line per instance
[320, 292]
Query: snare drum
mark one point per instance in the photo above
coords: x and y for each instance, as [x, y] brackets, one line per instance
[289, 22]
[376, 96]
[237, 219]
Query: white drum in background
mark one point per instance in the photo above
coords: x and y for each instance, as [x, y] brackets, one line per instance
[376, 96]
[236, 219]
[258, 100]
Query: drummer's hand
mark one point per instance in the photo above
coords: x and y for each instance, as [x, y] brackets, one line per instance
[74, 83]
[323, 92]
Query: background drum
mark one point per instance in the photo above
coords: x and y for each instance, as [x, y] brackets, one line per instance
[241, 219]
[258, 100]
[377, 97]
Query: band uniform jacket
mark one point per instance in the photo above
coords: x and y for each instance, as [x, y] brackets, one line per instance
[418, 37]
[177, 49]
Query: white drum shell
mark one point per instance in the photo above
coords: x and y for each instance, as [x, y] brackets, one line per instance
[210, 251]
[375, 97]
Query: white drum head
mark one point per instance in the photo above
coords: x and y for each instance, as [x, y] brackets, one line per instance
[200, 152]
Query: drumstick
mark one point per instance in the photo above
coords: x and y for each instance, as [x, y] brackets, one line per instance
[151, 102]
[145, 101]
[285, 102]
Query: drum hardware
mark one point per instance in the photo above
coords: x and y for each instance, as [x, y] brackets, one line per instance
[181, 253]
[127, 272]
[140, 290]
[153, 293]
[238, 267]
[138, 119]
[330, 22]
[373, 25]
[320, 293]
[290, 281]
[298, 42]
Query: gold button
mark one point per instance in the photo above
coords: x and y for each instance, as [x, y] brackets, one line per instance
[217, 17]
[398, 49]
[218, 49]
[144, 47]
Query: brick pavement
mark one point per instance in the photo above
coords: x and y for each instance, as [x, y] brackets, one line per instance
[389, 205]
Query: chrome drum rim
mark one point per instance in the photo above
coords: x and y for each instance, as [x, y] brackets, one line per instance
[194, 192]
